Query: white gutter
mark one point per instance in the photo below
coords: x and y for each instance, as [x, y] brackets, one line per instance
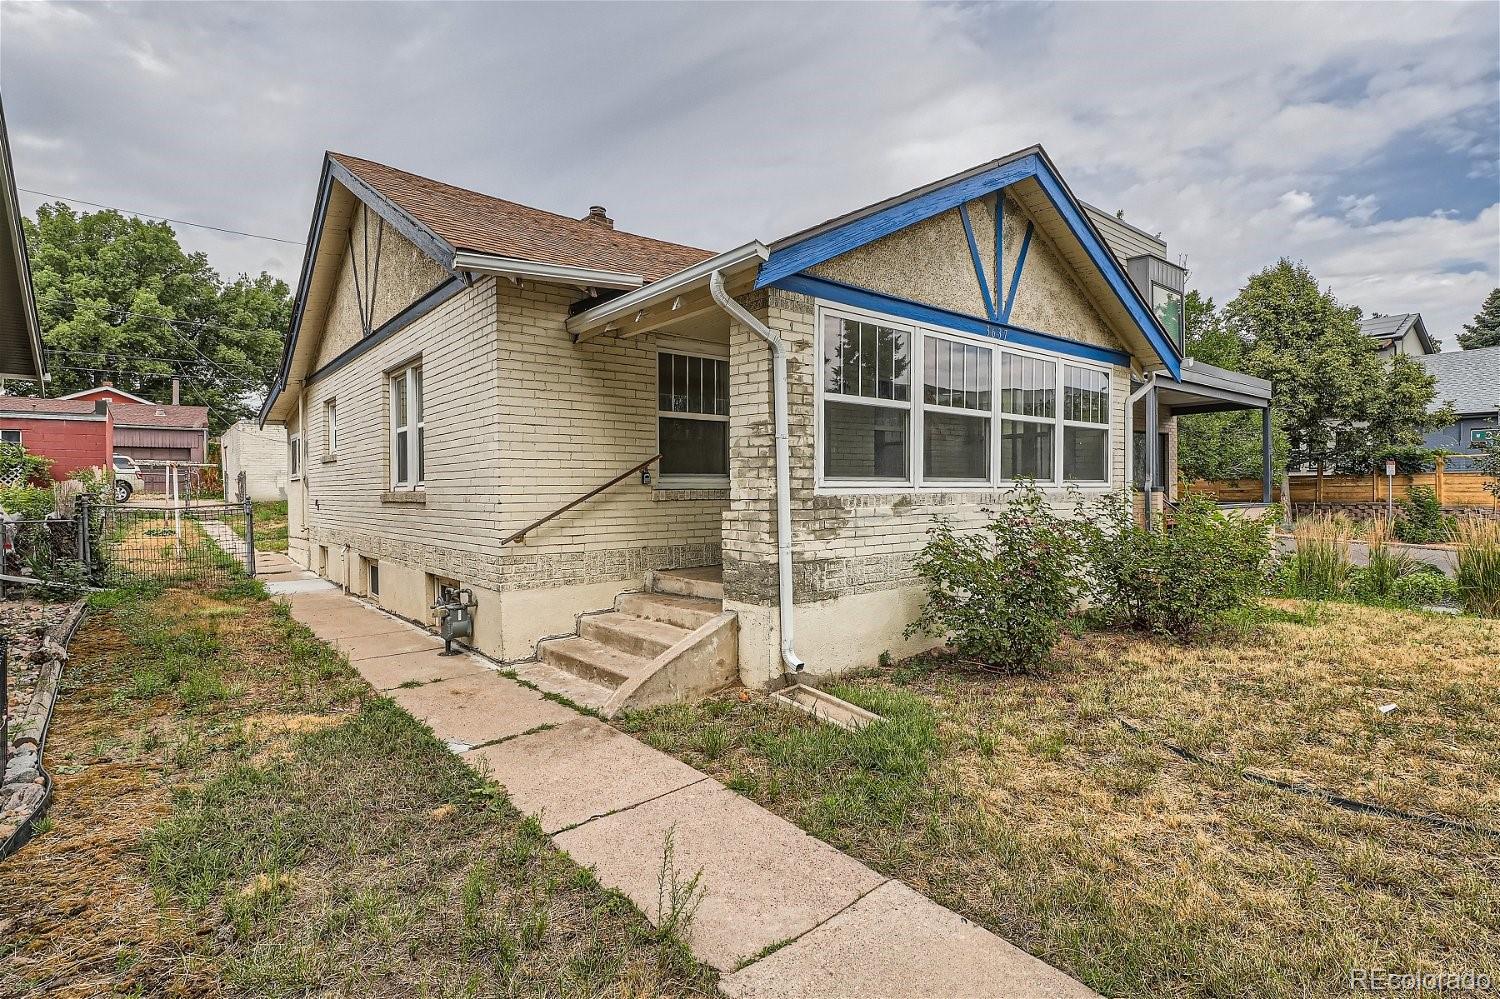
[672, 285]
[789, 656]
[483, 263]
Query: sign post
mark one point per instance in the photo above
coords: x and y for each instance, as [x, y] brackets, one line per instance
[1390, 492]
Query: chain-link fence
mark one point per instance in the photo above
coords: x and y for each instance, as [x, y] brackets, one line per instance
[169, 543]
[107, 544]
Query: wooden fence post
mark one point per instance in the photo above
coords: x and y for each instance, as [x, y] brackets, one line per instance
[1437, 476]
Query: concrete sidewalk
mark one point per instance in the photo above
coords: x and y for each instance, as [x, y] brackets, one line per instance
[833, 927]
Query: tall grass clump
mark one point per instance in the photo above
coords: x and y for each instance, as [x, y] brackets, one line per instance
[1321, 568]
[1386, 566]
[1478, 550]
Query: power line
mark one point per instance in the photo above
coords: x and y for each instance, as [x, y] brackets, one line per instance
[199, 323]
[164, 218]
[119, 355]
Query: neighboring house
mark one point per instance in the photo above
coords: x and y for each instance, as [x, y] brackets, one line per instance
[1470, 380]
[20, 337]
[76, 434]
[1404, 334]
[259, 453]
[461, 368]
[154, 433]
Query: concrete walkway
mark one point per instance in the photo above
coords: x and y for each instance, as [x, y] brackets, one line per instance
[833, 927]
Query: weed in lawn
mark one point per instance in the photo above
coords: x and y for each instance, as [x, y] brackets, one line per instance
[677, 900]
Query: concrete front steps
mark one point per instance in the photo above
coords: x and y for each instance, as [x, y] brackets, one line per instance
[671, 642]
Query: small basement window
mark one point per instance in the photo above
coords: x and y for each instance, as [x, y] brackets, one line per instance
[10, 436]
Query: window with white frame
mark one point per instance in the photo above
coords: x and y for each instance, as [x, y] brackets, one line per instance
[957, 386]
[294, 455]
[988, 414]
[866, 400]
[1028, 431]
[330, 427]
[692, 417]
[1085, 436]
[10, 436]
[407, 430]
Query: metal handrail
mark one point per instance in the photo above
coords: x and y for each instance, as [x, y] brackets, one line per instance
[519, 535]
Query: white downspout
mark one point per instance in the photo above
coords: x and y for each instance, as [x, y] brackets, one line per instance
[740, 314]
[1130, 402]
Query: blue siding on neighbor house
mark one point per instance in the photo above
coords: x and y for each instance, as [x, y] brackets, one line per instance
[1455, 437]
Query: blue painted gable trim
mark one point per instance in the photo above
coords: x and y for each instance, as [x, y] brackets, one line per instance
[851, 235]
[823, 246]
[984, 284]
[1015, 281]
[863, 298]
[1083, 231]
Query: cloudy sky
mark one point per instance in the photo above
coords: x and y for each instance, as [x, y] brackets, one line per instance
[1362, 139]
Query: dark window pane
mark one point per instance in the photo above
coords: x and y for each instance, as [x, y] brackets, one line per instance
[402, 460]
[1085, 453]
[694, 447]
[955, 447]
[679, 384]
[664, 382]
[1085, 395]
[1025, 450]
[864, 442]
[866, 359]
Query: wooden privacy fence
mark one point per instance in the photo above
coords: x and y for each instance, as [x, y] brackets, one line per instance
[1453, 489]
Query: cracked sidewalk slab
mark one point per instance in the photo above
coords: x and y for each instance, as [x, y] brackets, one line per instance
[806, 921]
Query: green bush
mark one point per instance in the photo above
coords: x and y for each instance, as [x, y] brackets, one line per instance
[19, 466]
[1175, 581]
[27, 502]
[1421, 520]
[998, 596]
[1478, 555]
[1427, 586]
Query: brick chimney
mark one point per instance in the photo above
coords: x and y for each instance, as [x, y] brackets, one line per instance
[596, 215]
[176, 391]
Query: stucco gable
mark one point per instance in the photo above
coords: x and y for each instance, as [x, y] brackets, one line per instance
[931, 262]
[380, 274]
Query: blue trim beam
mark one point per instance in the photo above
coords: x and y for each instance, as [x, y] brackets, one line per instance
[1015, 280]
[823, 246]
[984, 282]
[864, 298]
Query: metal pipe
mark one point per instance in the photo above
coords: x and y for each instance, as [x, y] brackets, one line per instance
[785, 607]
[1152, 453]
[1130, 402]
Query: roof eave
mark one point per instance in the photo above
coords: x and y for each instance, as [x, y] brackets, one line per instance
[536, 270]
[596, 321]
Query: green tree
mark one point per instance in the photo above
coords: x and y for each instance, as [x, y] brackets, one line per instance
[120, 300]
[1219, 445]
[1484, 331]
[1340, 401]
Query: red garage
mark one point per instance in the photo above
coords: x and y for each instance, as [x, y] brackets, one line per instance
[74, 433]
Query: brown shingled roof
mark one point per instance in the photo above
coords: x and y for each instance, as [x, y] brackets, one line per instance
[16, 405]
[135, 414]
[479, 223]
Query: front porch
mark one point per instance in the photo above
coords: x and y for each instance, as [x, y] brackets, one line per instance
[1203, 388]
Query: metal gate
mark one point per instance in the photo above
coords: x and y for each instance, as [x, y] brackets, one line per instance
[172, 543]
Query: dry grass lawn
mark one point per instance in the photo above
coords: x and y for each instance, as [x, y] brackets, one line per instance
[1025, 804]
[237, 813]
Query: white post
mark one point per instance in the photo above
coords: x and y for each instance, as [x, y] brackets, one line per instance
[176, 508]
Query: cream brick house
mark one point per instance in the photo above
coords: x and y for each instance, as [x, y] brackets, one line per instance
[747, 447]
